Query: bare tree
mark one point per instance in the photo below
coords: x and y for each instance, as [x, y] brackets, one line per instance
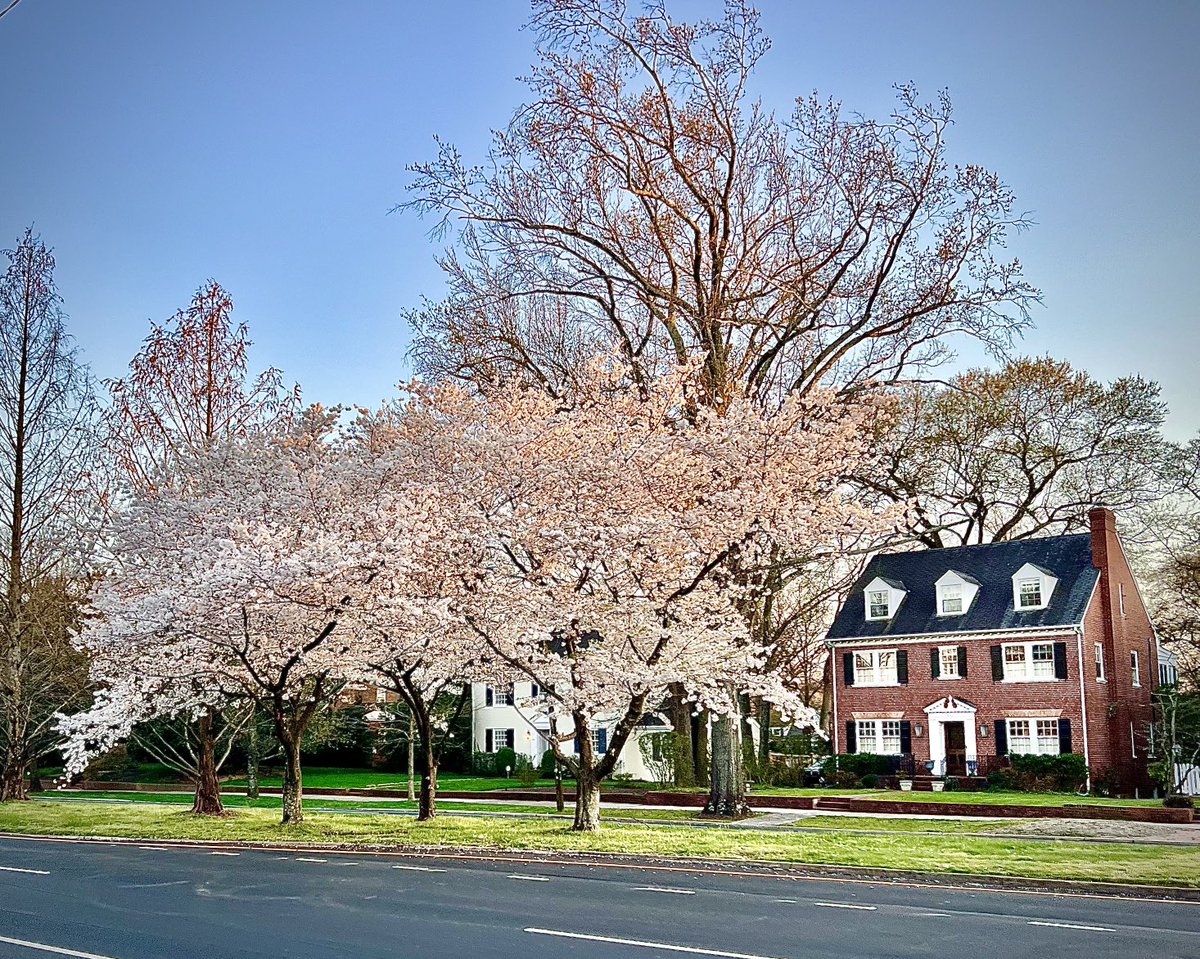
[1023, 451]
[189, 388]
[644, 201]
[47, 494]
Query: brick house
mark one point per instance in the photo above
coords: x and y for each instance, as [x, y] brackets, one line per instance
[952, 660]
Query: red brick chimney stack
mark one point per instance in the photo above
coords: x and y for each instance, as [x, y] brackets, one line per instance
[1103, 524]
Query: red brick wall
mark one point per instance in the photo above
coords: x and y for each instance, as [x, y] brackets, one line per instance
[992, 700]
[1117, 703]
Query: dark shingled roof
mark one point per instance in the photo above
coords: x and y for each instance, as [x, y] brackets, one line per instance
[1069, 558]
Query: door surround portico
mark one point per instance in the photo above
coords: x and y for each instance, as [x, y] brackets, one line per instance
[947, 709]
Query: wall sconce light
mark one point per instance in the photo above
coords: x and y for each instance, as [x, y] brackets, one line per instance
[919, 729]
[983, 731]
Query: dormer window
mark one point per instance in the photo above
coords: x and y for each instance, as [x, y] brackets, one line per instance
[955, 593]
[1032, 588]
[882, 598]
[881, 606]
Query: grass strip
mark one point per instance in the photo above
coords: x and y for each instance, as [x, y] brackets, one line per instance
[1111, 862]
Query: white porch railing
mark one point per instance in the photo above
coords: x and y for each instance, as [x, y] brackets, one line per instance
[1189, 779]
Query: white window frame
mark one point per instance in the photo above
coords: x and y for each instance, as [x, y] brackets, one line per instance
[499, 732]
[1101, 677]
[951, 600]
[1035, 581]
[1029, 675]
[1041, 739]
[1045, 583]
[502, 695]
[880, 733]
[1135, 667]
[948, 667]
[873, 604]
[873, 674]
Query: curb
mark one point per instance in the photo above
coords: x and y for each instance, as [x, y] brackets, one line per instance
[748, 869]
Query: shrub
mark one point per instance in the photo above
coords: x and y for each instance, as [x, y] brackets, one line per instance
[1002, 780]
[623, 779]
[1179, 802]
[843, 779]
[546, 766]
[484, 764]
[1106, 784]
[860, 764]
[1064, 773]
[527, 772]
[506, 759]
[953, 784]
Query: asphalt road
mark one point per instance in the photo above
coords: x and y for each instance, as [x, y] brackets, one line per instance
[108, 901]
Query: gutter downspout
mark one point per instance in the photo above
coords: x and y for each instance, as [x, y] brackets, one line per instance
[1083, 707]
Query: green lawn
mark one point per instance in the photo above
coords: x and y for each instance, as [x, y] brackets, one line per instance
[989, 798]
[1113, 862]
[324, 778]
[325, 802]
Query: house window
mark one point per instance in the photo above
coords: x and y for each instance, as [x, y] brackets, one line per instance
[501, 695]
[948, 662]
[1030, 593]
[1028, 661]
[879, 736]
[1033, 736]
[952, 599]
[1121, 591]
[1100, 663]
[501, 739]
[875, 668]
[1135, 667]
[380, 695]
[879, 603]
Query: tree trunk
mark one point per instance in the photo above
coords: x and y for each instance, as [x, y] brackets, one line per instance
[412, 755]
[727, 791]
[293, 783]
[587, 800]
[764, 732]
[700, 750]
[683, 760]
[252, 751]
[12, 783]
[208, 786]
[427, 807]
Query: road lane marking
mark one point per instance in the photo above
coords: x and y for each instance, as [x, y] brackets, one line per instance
[668, 946]
[845, 905]
[56, 950]
[307, 859]
[530, 878]
[677, 892]
[419, 868]
[32, 872]
[935, 915]
[793, 901]
[158, 848]
[219, 853]
[1070, 925]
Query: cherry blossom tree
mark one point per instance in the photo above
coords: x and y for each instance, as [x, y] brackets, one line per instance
[625, 532]
[232, 582]
[189, 388]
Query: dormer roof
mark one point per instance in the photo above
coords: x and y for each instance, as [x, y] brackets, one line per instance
[1068, 559]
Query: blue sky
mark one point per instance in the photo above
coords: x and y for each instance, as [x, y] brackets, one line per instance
[262, 143]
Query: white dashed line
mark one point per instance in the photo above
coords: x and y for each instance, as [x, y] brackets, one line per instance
[793, 901]
[934, 915]
[530, 878]
[419, 868]
[306, 859]
[845, 905]
[669, 947]
[219, 853]
[32, 872]
[677, 892]
[1070, 925]
[55, 950]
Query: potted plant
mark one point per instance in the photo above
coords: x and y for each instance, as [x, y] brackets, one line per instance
[938, 785]
[906, 785]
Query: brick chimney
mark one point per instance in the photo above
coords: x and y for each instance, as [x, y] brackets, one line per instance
[1103, 525]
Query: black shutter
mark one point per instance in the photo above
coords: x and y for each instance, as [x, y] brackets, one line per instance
[534, 690]
[602, 741]
[1060, 660]
[512, 739]
[848, 668]
[488, 742]
[935, 662]
[851, 736]
[905, 736]
[962, 661]
[997, 666]
[488, 700]
[902, 667]
[1001, 737]
[1064, 735]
